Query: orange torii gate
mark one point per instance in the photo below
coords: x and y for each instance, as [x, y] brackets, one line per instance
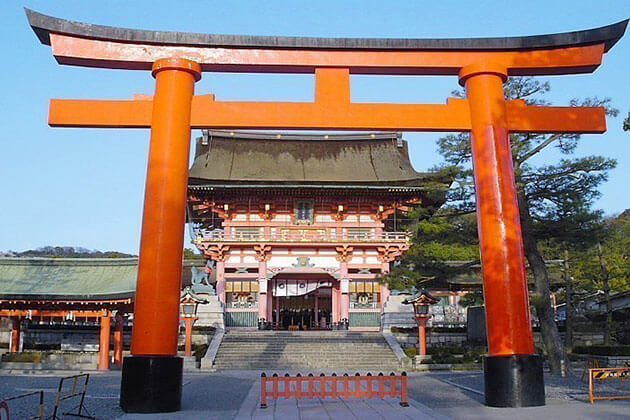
[152, 375]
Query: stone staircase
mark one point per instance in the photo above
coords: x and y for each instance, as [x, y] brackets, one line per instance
[305, 351]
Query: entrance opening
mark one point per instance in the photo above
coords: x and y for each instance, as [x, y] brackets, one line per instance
[302, 305]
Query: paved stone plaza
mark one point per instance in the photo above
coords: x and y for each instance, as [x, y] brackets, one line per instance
[235, 394]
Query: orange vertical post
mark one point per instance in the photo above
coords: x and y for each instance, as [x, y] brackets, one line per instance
[422, 336]
[510, 338]
[502, 255]
[15, 335]
[152, 377]
[156, 312]
[188, 336]
[103, 346]
[118, 340]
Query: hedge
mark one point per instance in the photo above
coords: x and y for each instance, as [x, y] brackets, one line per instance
[603, 350]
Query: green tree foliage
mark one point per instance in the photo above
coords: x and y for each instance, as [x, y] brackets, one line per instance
[626, 123]
[443, 246]
[68, 252]
[190, 254]
[586, 268]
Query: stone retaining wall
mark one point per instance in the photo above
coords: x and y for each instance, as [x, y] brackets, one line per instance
[85, 340]
[446, 339]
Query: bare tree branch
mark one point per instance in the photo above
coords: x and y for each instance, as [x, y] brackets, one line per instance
[538, 148]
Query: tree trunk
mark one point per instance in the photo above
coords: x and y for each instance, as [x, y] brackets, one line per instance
[568, 284]
[556, 355]
[606, 284]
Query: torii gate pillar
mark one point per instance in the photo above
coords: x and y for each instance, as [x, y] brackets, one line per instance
[513, 373]
[152, 375]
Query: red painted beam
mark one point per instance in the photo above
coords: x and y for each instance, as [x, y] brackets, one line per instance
[72, 50]
[208, 114]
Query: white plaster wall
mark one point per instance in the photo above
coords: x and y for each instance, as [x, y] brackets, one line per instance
[327, 252]
[321, 261]
[281, 261]
[317, 261]
[372, 260]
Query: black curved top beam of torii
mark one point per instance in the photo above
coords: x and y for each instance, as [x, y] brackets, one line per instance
[44, 25]
[85, 44]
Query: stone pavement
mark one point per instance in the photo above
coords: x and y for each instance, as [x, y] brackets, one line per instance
[235, 395]
[304, 409]
[459, 395]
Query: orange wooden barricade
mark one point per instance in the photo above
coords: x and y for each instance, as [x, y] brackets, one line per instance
[621, 373]
[333, 386]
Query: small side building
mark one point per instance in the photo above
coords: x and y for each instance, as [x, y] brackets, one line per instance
[69, 302]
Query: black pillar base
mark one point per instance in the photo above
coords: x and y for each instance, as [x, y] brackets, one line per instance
[151, 384]
[514, 380]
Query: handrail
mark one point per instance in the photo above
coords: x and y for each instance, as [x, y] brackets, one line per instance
[301, 236]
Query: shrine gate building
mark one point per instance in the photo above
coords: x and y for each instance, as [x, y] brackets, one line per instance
[299, 228]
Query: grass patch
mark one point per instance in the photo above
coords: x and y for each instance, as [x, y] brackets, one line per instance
[411, 352]
[23, 357]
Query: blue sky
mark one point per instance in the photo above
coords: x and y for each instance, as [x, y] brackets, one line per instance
[84, 187]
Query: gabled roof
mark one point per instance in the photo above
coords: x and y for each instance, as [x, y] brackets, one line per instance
[87, 279]
[271, 159]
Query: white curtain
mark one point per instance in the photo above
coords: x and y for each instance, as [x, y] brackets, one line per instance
[297, 287]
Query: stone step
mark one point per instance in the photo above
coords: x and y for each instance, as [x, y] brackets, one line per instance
[318, 348]
[359, 366]
[222, 353]
[312, 369]
[303, 342]
[305, 350]
[305, 354]
[381, 358]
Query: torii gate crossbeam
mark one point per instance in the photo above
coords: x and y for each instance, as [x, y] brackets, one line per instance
[152, 375]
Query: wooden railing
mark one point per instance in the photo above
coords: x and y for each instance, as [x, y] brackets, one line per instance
[301, 236]
[333, 386]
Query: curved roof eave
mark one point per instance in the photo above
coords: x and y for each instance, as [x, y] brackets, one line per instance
[44, 25]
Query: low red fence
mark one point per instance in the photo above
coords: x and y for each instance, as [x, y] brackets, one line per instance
[333, 386]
